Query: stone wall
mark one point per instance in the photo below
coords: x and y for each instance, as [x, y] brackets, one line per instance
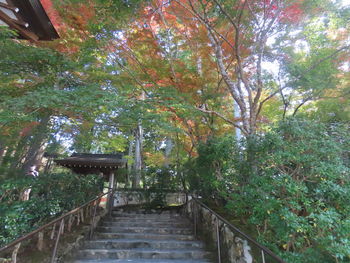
[131, 197]
[233, 247]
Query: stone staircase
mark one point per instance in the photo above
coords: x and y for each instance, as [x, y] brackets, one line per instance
[140, 237]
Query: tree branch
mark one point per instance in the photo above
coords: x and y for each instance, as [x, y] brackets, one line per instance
[233, 123]
[315, 65]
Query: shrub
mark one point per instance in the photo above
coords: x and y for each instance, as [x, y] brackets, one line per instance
[51, 196]
[298, 194]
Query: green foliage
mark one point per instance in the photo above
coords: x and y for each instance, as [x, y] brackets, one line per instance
[157, 182]
[161, 178]
[6, 33]
[51, 195]
[298, 194]
[209, 173]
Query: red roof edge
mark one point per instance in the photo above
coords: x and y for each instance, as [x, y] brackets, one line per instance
[52, 13]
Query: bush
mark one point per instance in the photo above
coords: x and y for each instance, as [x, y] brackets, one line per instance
[298, 194]
[51, 196]
[158, 178]
[212, 171]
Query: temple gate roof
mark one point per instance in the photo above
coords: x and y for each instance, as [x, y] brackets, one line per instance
[85, 163]
[28, 18]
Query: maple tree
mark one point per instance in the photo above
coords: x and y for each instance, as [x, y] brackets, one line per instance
[194, 63]
[188, 58]
[38, 86]
[197, 61]
[179, 35]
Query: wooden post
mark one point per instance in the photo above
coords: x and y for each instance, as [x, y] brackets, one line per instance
[15, 252]
[111, 186]
[82, 215]
[62, 230]
[53, 258]
[70, 222]
[78, 218]
[40, 241]
[218, 240]
[53, 231]
[111, 180]
[93, 221]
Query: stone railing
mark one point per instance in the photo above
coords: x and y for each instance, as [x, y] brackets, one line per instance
[231, 244]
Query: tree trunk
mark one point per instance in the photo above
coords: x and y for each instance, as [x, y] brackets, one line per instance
[168, 148]
[6, 159]
[138, 156]
[17, 153]
[237, 115]
[3, 150]
[251, 157]
[130, 163]
[48, 165]
[36, 145]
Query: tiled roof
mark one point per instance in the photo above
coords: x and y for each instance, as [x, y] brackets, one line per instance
[93, 160]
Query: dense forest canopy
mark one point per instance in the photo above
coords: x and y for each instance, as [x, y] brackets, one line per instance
[246, 102]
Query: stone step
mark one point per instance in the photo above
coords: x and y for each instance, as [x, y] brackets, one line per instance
[140, 237]
[144, 223]
[153, 230]
[142, 253]
[106, 235]
[141, 261]
[147, 212]
[141, 243]
[150, 216]
[146, 220]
